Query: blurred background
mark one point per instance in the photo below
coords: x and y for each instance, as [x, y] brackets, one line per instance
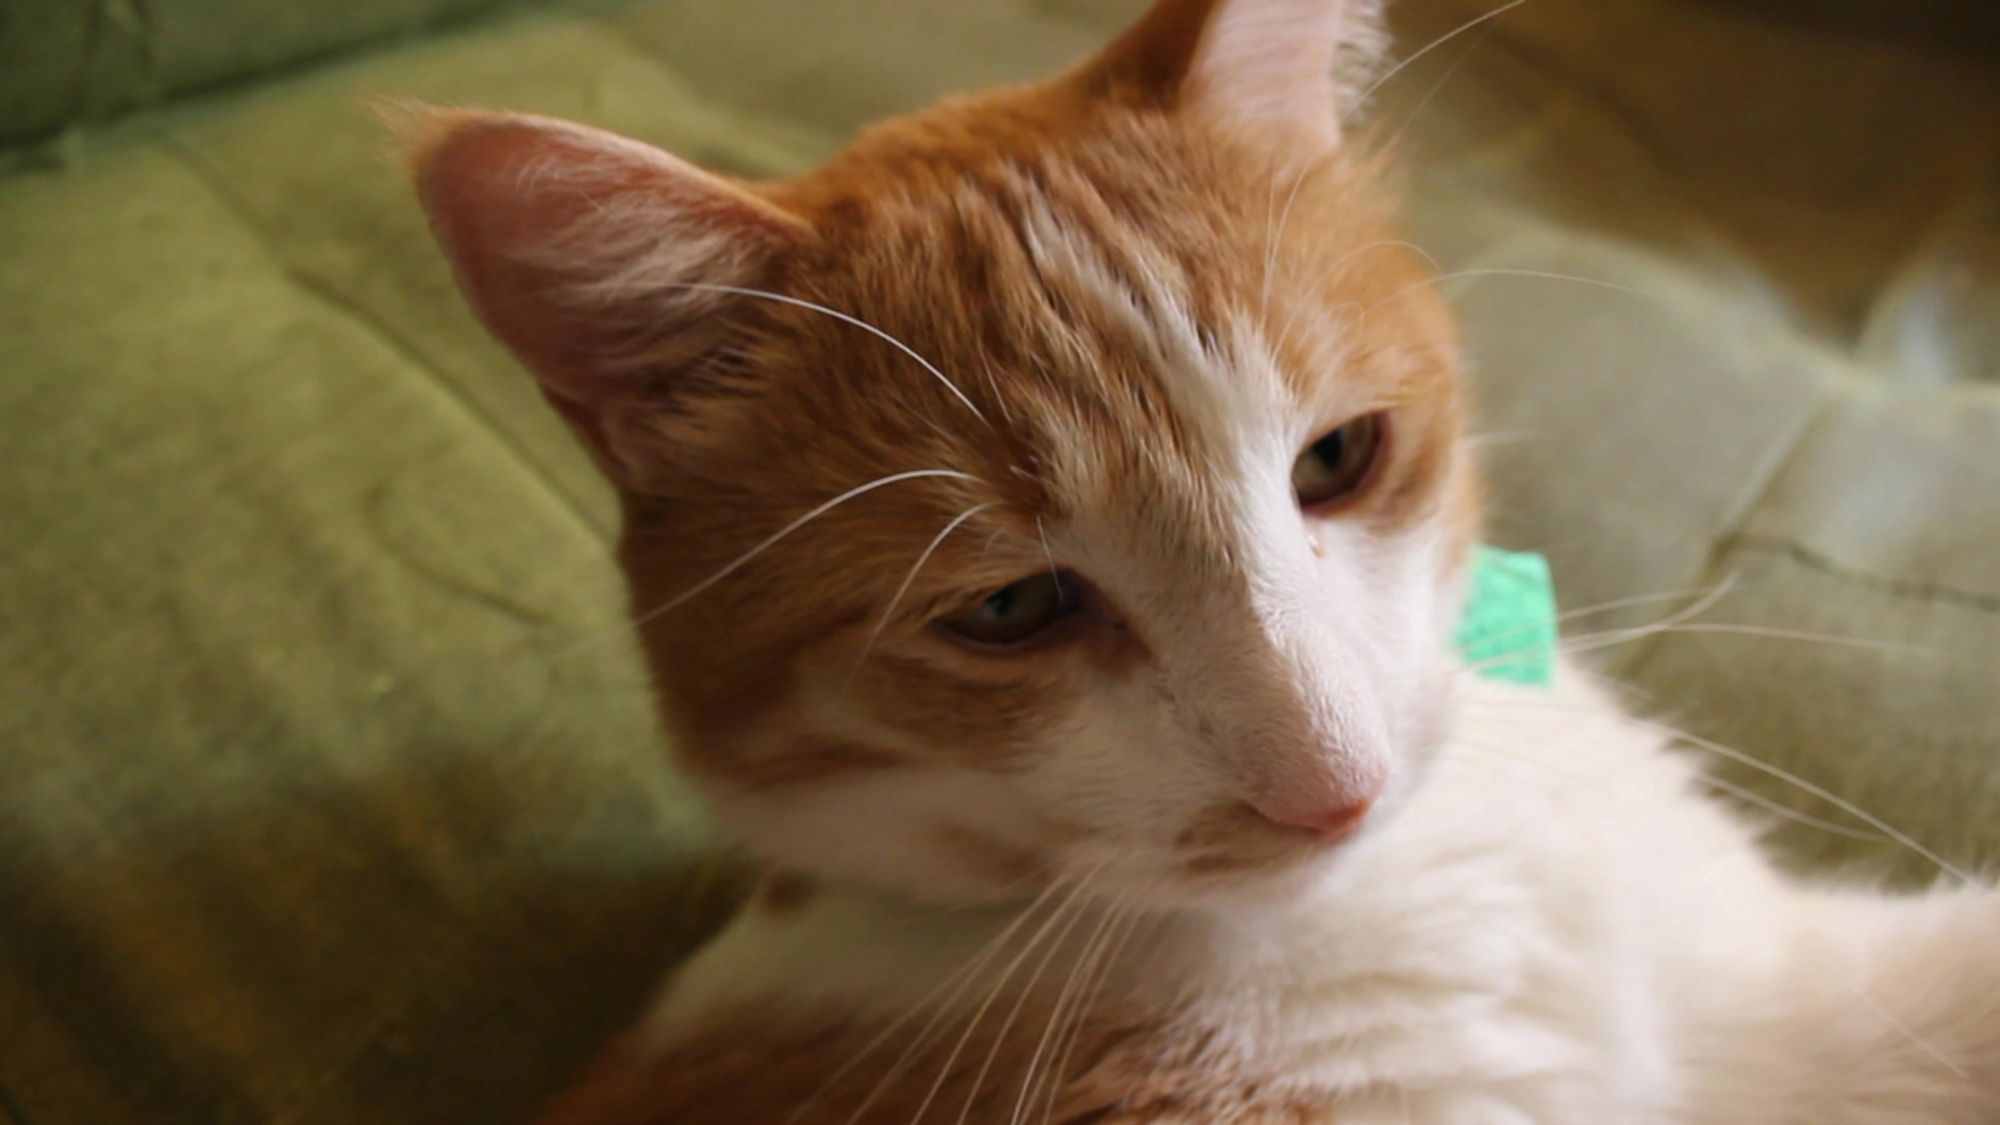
[328, 787]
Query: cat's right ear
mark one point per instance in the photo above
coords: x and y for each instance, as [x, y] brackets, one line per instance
[602, 263]
[1295, 66]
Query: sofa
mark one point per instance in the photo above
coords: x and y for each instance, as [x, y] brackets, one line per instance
[329, 785]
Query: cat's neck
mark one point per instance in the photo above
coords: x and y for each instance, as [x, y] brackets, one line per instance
[1370, 912]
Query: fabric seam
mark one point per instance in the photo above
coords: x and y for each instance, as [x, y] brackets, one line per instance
[360, 316]
[1898, 587]
[1753, 499]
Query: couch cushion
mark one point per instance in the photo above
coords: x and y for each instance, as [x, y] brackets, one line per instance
[330, 790]
[65, 63]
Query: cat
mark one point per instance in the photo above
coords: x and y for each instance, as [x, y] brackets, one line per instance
[1044, 525]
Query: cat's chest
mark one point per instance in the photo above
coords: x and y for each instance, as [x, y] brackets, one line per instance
[1353, 1026]
[1030, 1064]
[1002, 1064]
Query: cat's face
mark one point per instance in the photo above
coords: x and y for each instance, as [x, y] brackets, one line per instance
[1081, 491]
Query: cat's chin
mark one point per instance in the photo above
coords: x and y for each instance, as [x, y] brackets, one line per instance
[1303, 872]
[1298, 875]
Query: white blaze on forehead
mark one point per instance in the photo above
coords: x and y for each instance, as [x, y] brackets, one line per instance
[1283, 640]
[1231, 402]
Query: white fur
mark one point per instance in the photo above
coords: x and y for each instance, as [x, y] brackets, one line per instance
[1554, 928]
[1542, 921]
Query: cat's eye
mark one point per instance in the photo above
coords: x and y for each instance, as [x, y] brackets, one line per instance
[1338, 464]
[1016, 613]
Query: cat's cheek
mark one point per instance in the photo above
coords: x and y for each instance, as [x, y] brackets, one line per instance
[937, 832]
[1126, 780]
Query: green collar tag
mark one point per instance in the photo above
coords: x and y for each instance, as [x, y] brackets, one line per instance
[1508, 629]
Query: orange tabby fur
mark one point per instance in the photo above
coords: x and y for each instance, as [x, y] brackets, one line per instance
[913, 224]
[918, 227]
[757, 1068]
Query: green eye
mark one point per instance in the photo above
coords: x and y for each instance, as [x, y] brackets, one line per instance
[1339, 464]
[1016, 613]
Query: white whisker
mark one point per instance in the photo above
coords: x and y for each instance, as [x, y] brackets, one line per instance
[1055, 575]
[1291, 322]
[1434, 45]
[1006, 974]
[1748, 796]
[844, 318]
[1749, 761]
[1436, 88]
[908, 579]
[1021, 999]
[1767, 632]
[1502, 271]
[746, 557]
[956, 983]
[993, 385]
[1841, 803]
[1085, 961]
[1922, 1044]
[1099, 977]
[1634, 601]
[1278, 237]
[1591, 642]
[1778, 809]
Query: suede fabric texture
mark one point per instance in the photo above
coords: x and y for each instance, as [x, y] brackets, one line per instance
[329, 788]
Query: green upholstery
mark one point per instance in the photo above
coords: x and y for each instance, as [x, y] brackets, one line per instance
[74, 62]
[328, 787]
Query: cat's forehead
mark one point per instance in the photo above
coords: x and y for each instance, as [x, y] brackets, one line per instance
[1121, 308]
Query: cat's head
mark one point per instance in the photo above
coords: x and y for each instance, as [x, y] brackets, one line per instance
[1066, 480]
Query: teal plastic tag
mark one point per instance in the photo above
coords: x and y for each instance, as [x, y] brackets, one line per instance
[1508, 631]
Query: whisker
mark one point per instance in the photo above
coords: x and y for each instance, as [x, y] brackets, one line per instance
[1278, 237]
[1588, 642]
[1006, 974]
[1270, 224]
[883, 622]
[1634, 601]
[993, 385]
[1767, 632]
[844, 318]
[986, 549]
[1778, 809]
[1748, 796]
[1778, 773]
[1436, 88]
[1841, 803]
[1020, 1002]
[1612, 638]
[1506, 271]
[746, 557]
[1922, 1044]
[1085, 961]
[1054, 574]
[1434, 45]
[1093, 990]
[956, 983]
[1291, 322]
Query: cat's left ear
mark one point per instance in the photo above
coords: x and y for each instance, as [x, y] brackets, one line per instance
[1294, 66]
[609, 268]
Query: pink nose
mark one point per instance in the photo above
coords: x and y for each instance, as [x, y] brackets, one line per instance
[1326, 823]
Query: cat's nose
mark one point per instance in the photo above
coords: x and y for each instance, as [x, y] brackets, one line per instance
[1329, 821]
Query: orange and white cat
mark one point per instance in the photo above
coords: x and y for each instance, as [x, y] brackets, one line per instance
[1045, 524]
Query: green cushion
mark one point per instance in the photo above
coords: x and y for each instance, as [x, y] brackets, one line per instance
[71, 62]
[329, 789]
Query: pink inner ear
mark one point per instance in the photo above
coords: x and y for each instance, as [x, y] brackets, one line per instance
[1271, 60]
[583, 251]
[1260, 62]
